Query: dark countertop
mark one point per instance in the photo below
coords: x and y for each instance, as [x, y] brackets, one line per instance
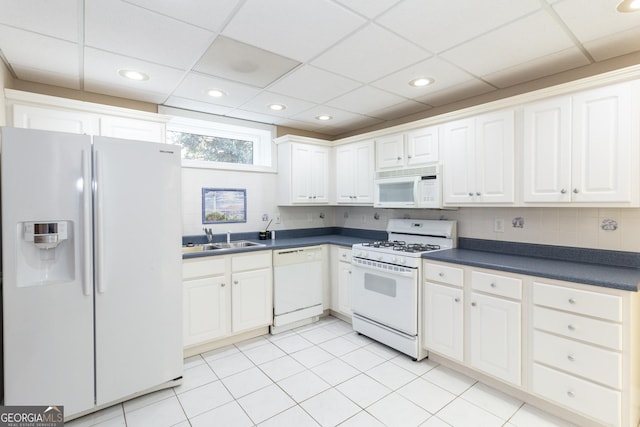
[290, 239]
[621, 271]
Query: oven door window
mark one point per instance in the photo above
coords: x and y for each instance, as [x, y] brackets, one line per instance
[387, 298]
[379, 284]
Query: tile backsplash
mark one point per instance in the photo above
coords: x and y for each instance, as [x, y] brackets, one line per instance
[609, 229]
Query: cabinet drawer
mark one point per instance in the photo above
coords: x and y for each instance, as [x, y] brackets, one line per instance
[344, 255]
[593, 304]
[594, 363]
[443, 274]
[192, 268]
[583, 396]
[509, 287]
[251, 261]
[578, 327]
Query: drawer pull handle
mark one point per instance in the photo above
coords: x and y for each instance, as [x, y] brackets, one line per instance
[572, 301]
[441, 274]
[571, 358]
[493, 285]
[222, 285]
[571, 327]
[571, 394]
[473, 304]
[456, 299]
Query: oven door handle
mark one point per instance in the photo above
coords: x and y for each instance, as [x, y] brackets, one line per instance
[390, 270]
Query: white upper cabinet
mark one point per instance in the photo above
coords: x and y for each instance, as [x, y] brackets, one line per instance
[354, 165]
[581, 148]
[478, 160]
[303, 171]
[34, 111]
[410, 149]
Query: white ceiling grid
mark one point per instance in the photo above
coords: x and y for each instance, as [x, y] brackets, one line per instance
[351, 59]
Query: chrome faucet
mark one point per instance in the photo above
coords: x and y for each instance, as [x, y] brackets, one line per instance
[209, 234]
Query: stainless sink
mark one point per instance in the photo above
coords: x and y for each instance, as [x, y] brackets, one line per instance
[236, 244]
[220, 246]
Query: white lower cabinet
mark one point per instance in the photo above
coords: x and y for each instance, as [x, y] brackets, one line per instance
[574, 346]
[495, 337]
[341, 280]
[225, 295]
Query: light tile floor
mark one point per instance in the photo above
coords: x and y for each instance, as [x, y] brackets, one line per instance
[321, 374]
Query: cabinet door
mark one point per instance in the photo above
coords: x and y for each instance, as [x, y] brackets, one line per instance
[320, 174]
[547, 151]
[205, 309]
[364, 172]
[54, 119]
[345, 174]
[459, 162]
[301, 173]
[390, 152]
[443, 320]
[423, 146]
[140, 130]
[344, 288]
[494, 158]
[601, 145]
[495, 337]
[251, 299]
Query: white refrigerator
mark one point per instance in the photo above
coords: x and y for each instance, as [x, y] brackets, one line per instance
[91, 266]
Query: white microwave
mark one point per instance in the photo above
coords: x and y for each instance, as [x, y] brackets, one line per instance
[409, 188]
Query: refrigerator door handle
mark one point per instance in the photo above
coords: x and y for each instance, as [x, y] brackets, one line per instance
[99, 250]
[87, 283]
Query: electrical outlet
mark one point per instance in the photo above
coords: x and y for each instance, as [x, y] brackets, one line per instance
[278, 219]
[498, 225]
[265, 217]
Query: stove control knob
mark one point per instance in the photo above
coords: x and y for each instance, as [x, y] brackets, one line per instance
[394, 259]
[380, 257]
[402, 261]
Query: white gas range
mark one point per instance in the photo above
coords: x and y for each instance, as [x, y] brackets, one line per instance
[386, 278]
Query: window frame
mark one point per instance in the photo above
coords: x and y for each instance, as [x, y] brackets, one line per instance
[264, 152]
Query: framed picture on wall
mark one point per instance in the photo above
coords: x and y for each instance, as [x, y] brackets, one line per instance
[220, 205]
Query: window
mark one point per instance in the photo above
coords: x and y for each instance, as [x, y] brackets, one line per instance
[222, 145]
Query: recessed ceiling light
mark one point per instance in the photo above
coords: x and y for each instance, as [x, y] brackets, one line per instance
[324, 117]
[421, 82]
[277, 107]
[216, 93]
[626, 6]
[133, 75]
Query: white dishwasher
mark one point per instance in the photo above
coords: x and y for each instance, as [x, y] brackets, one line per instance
[297, 287]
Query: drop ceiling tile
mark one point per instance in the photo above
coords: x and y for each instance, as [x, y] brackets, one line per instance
[190, 104]
[502, 48]
[208, 14]
[101, 76]
[460, 91]
[56, 18]
[195, 86]
[47, 77]
[129, 30]
[256, 117]
[402, 109]
[370, 54]
[26, 50]
[295, 29]
[243, 63]
[598, 20]
[339, 117]
[438, 25]
[313, 84]
[368, 8]
[260, 104]
[365, 100]
[444, 74]
[617, 44]
[539, 67]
